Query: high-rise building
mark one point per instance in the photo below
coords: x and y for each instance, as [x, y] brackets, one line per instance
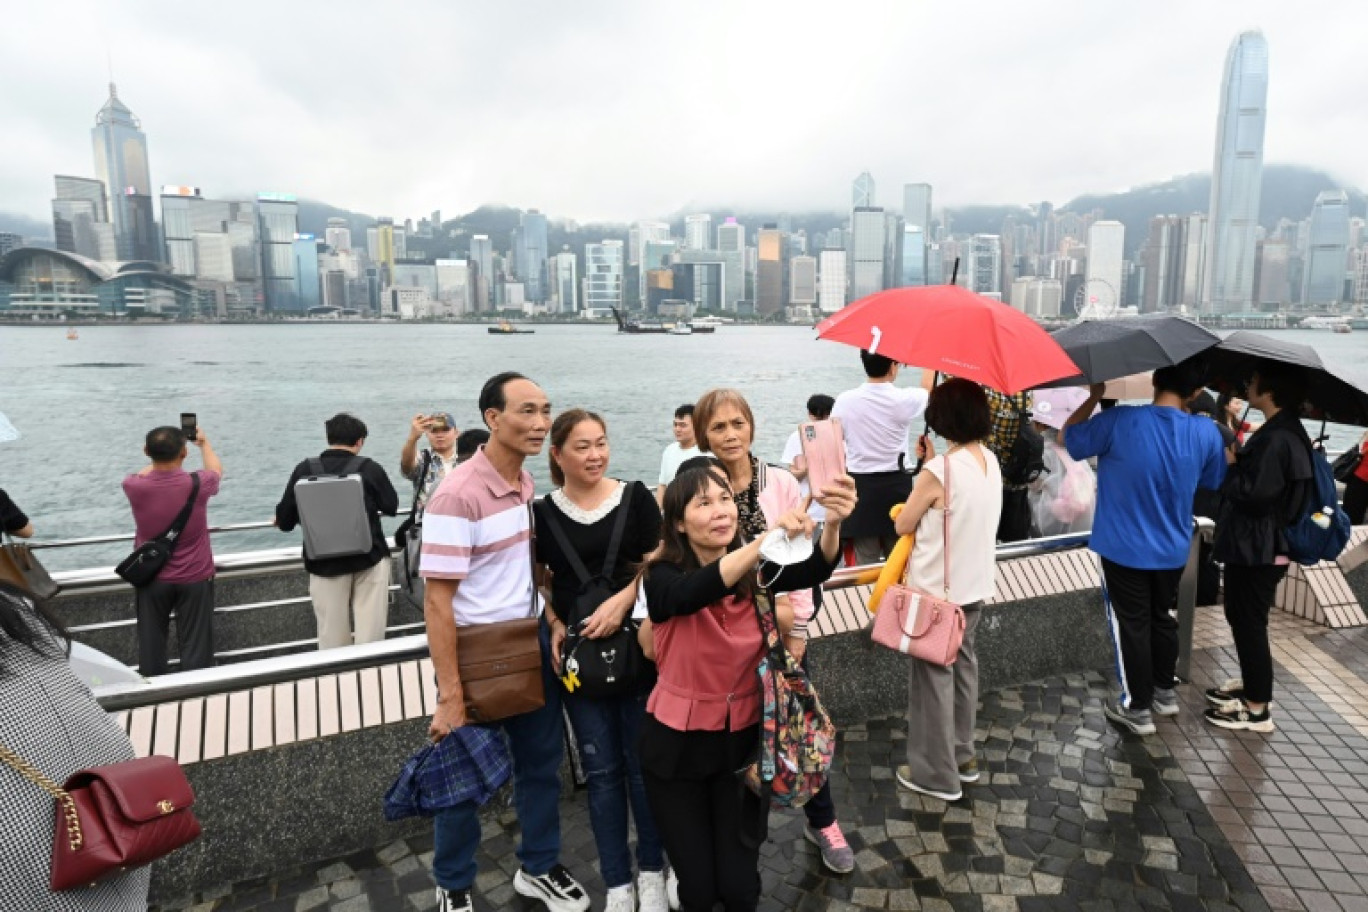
[769, 271]
[832, 278]
[1327, 255]
[1194, 261]
[482, 258]
[10, 241]
[306, 270]
[731, 246]
[121, 165]
[1106, 265]
[529, 251]
[985, 265]
[383, 253]
[698, 231]
[564, 272]
[699, 282]
[917, 206]
[278, 216]
[862, 191]
[338, 234]
[1270, 275]
[80, 218]
[1237, 178]
[913, 256]
[1037, 297]
[1162, 258]
[803, 281]
[867, 226]
[603, 270]
[641, 235]
[453, 287]
[893, 240]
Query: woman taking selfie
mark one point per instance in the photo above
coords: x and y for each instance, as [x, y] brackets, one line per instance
[942, 701]
[725, 427]
[702, 722]
[587, 513]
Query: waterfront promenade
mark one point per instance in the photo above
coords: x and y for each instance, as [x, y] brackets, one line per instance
[1071, 814]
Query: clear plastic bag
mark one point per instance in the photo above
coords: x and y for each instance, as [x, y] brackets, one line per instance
[1062, 501]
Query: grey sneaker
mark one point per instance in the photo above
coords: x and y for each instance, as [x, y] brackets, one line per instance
[1165, 702]
[904, 776]
[1138, 721]
[836, 852]
[969, 770]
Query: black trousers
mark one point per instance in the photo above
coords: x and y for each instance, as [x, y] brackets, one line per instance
[193, 606]
[1249, 595]
[1015, 522]
[1144, 633]
[1356, 499]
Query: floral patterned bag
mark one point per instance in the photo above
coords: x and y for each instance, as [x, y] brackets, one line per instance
[797, 737]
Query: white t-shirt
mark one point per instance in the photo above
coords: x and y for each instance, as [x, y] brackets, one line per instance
[877, 419]
[793, 448]
[673, 458]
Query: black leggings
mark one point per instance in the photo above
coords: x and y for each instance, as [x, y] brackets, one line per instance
[700, 823]
[1249, 593]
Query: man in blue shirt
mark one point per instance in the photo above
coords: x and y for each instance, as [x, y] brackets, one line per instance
[1150, 461]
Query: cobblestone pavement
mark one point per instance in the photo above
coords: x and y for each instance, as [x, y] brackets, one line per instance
[1070, 814]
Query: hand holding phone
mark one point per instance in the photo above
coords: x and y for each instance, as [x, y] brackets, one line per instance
[823, 445]
[189, 426]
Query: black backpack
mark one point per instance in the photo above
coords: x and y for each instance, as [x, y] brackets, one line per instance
[1025, 460]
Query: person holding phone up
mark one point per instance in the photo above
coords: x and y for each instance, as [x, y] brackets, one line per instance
[427, 469]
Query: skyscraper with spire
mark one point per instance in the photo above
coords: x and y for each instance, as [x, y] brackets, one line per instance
[1236, 178]
[121, 163]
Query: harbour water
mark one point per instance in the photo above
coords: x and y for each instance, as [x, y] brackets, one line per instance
[263, 392]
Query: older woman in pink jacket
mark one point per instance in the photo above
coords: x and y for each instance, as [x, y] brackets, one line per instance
[725, 426]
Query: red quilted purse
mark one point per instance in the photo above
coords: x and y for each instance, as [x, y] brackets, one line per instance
[111, 819]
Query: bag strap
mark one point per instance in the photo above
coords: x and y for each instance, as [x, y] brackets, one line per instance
[562, 541]
[571, 555]
[183, 517]
[945, 533]
[619, 529]
[27, 770]
[532, 557]
[422, 480]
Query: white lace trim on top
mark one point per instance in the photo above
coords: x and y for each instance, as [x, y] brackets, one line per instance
[588, 517]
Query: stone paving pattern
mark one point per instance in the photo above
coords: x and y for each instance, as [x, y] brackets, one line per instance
[1070, 814]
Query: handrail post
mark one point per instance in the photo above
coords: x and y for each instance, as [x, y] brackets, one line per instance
[1187, 595]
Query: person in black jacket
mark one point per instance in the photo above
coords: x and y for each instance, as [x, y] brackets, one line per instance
[354, 584]
[1264, 492]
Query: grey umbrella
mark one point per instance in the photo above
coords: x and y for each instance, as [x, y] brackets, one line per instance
[1328, 398]
[1108, 349]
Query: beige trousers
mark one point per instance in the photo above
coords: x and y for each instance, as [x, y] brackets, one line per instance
[336, 599]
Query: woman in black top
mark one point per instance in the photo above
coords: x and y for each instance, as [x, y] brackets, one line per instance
[585, 509]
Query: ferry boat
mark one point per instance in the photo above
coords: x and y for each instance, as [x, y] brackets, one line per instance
[707, 324]
[638, 327]
[1333, 324]
[508, 329]
[1342, 329]
[681, 329]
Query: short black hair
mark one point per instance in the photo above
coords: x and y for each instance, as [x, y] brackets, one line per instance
[1286, 383]
[470, 442]
[958, 411]
[698, 462]
[345, 429]
[492, 393]
[1182, 379]
[685, 410]
[164, 443]
[875, 365]
[820, 406]
[1202, 404]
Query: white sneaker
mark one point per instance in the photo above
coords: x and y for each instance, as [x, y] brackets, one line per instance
[672, 889]
[621, 899]
[651, 890]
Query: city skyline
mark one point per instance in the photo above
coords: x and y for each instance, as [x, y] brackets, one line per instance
[278, 115]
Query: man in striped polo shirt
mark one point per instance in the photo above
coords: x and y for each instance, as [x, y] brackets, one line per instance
[477, 568]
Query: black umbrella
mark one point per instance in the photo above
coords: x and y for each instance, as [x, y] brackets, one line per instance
[1108, 349]
[1328, 398]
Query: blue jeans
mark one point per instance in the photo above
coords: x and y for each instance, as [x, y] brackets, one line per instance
[607, 730]
[536, 741]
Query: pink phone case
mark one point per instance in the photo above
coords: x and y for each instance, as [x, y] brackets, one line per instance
[823, 445]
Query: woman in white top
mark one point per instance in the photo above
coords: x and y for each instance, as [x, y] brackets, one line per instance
[942, 701]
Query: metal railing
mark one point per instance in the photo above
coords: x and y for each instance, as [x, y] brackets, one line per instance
[39, 545]
[283, 669]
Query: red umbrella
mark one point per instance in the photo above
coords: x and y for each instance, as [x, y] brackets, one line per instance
[955, 331]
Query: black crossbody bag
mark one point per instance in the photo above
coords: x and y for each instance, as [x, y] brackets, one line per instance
[613, 665]
[140, 568]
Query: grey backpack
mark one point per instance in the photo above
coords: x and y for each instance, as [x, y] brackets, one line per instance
[332, 510]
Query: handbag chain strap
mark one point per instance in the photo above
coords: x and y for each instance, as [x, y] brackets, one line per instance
[27, 770]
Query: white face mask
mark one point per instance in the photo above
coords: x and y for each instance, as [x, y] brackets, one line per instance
[779, 549]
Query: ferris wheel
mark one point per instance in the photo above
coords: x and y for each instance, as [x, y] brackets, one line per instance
[1095, 300]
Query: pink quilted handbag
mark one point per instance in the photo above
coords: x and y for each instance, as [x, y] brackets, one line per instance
[917, 623]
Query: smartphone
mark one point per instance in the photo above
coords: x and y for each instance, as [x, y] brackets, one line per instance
[823, 445]
[189, 425]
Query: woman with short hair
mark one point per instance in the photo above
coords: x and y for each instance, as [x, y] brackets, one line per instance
[941, 701]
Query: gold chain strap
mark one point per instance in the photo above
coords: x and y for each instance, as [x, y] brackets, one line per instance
[27, 770]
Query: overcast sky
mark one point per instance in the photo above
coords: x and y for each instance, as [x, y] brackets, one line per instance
[624, 110]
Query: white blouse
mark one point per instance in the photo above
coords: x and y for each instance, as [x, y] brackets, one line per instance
[975, 500]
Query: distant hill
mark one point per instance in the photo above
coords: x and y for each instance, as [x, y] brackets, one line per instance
[22, 224]
[314, 215]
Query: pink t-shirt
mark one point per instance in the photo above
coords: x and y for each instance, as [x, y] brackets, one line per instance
[156, 498]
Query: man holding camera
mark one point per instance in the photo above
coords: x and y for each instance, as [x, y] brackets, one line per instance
[427, 469]
[185, 586]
